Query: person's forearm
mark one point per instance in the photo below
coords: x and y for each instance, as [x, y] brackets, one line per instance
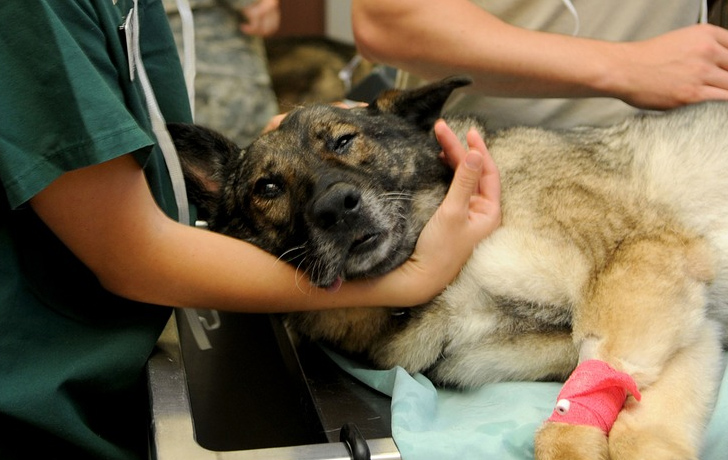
[445, 37]
[223, 273]
[439, 38]
[210, 270]
[107, 217]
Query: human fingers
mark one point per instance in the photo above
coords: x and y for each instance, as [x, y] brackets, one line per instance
[260, 26]
[447, 240]
[681, 67]
[274, 122]
[488, 190]
[464, 186]
[476, 142]
[465, 216]
[487, 187]
[720, 34]
[347, 104]
[711, 59]
[453, 151]
[716, 76]
[262, 18]
[714, 88]
[469, 212]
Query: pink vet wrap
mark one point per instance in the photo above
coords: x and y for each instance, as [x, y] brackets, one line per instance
[594, 395]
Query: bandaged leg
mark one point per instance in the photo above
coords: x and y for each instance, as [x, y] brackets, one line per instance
[593, 396]
[642, 310]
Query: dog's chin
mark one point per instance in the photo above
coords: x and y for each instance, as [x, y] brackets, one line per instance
[368, 256]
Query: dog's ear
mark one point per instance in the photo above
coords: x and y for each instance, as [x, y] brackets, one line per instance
[421, 106]
[203, 154]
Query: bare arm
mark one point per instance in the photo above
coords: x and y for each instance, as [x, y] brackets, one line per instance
[106, 215]
[683, 66]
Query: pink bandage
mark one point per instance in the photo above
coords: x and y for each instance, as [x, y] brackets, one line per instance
[594, 395]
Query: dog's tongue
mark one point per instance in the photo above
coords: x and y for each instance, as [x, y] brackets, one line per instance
[336, 285]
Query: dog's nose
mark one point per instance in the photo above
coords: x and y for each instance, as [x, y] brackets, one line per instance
[338, 205]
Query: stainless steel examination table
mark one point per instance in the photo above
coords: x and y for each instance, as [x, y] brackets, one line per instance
[254, 395]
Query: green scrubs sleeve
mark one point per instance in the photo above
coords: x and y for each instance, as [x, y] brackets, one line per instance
[67, 97]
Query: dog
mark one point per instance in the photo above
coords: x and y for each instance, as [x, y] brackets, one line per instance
[613, 247]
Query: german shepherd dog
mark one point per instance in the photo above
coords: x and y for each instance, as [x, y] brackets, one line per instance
[613, 247]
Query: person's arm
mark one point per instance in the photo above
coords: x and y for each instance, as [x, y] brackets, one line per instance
[106, 215]
[438, 38]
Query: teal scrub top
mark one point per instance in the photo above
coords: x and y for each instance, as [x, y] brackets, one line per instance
[72, 355]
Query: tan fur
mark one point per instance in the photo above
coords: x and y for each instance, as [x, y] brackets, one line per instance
[555, 441]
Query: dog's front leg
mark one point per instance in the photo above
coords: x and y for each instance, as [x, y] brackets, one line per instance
[641, 329]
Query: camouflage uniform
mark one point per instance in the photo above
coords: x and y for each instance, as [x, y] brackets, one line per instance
[233, 87]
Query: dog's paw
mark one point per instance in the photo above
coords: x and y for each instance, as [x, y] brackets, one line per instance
[560, 441]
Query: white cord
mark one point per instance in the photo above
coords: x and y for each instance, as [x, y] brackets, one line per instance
[572, 10]
[166, 145]
[159, 127]
[188, 45]
[704, 12]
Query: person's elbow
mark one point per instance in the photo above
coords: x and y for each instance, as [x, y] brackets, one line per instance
[140, 268]
[368, 42]
[371, 35]
[121, 284]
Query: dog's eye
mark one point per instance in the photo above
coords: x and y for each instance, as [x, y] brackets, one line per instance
[268, 188]
[342, 143]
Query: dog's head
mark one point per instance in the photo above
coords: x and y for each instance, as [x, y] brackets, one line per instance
[339, 193]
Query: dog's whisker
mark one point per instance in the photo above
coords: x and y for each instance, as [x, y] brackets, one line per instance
[398, 192]
[400, 216]
[302, 274]
[396, 196]
[303, 251]
[319, 268]
[295, 248]
[395, 199]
